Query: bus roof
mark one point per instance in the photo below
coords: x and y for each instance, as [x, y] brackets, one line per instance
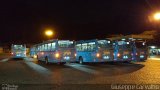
[49, 41]
[92, 40]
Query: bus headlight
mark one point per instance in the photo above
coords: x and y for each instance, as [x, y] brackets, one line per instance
[118, 55]
[106, 57]
[125, 57]
[75, 54]
[97, 55]
[35, 56]
[141, 56]
[57, 55]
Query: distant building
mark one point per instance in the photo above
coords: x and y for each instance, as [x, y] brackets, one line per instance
[146, 35]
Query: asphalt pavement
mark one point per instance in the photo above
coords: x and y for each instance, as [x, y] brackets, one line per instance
[28, 73]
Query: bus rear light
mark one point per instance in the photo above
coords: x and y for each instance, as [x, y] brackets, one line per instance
[97, 55]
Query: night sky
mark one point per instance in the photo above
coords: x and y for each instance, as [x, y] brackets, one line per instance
[25, 20]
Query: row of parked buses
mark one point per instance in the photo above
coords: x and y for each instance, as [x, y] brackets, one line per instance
[62, 51]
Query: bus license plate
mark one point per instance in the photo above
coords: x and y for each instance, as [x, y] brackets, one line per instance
[126, 52]
[67, 53]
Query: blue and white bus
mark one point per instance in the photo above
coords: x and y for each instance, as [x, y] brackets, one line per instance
[94, 51]
[122, 50]
[55, 51]
[33, 51]
[18, 51]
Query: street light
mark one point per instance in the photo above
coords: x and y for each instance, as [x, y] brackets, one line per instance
[49, 33]
[156, 16]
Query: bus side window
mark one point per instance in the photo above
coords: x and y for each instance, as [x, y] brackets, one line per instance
[42, 48]
[91, 46]
[49, 47]
[45, 47]
[53, 46]
[78, 47]
[84, 47]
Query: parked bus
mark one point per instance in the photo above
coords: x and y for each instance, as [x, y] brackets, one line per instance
[18, 51]
[33, 51]
[55, 51]
[139, 50]
[94, 51]
[122, 50]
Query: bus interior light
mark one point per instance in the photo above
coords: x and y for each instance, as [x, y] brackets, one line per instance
[123, 39]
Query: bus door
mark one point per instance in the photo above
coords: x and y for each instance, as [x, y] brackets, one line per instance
[92, 52]
[87, 53]
[134, 51]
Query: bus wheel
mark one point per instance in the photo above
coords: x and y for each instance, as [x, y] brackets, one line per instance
[80, 60]
[46, 60]
[127, 62]
[62, 63]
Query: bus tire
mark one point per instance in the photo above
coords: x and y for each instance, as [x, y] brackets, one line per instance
[62, 63]
[46, 60]
[81, 60]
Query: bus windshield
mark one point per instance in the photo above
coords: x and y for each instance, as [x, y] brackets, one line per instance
[124, 44]
[104, 43]
[18, 47]
[66, 44]
[140, 44]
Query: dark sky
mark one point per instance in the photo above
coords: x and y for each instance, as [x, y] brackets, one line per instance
[25, 20]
